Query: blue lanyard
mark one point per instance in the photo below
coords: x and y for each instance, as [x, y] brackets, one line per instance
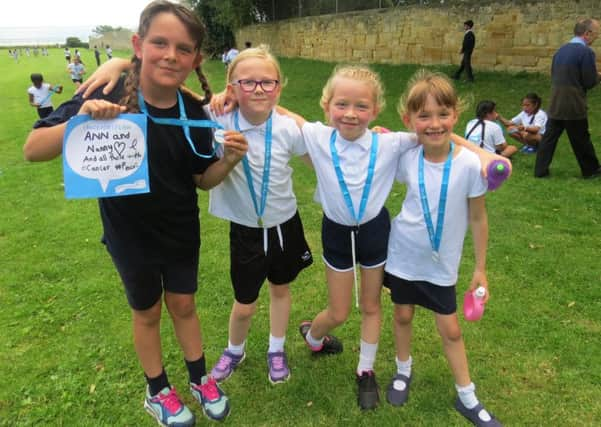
[435, 237]
[182, 121]
[266, 167]
[51, 92]
[370, 175]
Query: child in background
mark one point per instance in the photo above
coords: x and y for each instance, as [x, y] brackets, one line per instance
[40, 93]
[485, 133]
[76, 71]
[154, 238]
[445, 193]
[528, 126]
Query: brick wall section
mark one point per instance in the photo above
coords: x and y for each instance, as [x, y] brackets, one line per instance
[510, 36]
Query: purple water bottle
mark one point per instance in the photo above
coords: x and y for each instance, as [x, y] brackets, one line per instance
[498, 171]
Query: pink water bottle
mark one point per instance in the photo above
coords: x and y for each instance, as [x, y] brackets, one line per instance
[473, 304]
[498, 171]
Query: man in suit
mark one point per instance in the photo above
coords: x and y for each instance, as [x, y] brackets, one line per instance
[469, 42]
[573, 73]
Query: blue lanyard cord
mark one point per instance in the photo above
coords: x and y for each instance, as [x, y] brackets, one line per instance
[52, 91]
[435, 237]
[183, 121]
[368, 180]
[266, 168]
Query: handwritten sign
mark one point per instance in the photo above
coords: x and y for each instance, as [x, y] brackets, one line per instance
[105, 158]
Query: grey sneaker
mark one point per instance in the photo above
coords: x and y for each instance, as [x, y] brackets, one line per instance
[225, 365]
[168, 409]
[278, 367]
[213, 401]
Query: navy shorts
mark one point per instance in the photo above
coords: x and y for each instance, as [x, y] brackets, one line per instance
[371, 242]
[250, 266]
[145, 282]
[440, 299]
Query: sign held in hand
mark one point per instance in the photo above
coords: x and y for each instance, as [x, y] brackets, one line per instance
[105, 158]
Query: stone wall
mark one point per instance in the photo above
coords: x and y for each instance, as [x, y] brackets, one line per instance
[510, 35]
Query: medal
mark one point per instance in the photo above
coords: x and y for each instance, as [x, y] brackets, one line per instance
[259, 208]
[435, 235]
[219, 136]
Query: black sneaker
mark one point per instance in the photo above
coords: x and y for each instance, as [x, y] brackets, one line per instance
[331, 344]
[369, 396]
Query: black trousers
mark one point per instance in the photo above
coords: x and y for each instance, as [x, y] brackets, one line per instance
[466, 64]
[580, 139]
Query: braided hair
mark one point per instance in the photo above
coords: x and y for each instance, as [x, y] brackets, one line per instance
[483, 109]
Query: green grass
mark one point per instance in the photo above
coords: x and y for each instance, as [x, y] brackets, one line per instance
[66, 356]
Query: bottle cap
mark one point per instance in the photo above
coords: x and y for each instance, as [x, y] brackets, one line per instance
[480, 292]
[500, 168]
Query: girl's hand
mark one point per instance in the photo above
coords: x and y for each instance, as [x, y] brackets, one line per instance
[100, 109]
[221, 104]
[108, 73]
[380, 129]
[234, 147]
[479, 279]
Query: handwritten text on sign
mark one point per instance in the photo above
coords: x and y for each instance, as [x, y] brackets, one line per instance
[105, 158]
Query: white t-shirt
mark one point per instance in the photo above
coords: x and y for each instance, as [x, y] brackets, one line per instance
[409, 249]
[230, 55]
[493, 134]
[231, 199]
[76, 71]
[354, 161]
[540, 120]
[41, 94]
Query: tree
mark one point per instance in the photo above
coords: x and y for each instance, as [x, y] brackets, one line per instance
[75, 42]
[223, 17]
[101, 30]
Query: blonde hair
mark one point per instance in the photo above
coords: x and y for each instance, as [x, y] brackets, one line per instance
[424, 83]
[260, 52]
[360, 73]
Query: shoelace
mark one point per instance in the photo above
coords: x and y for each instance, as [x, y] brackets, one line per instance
[277, 362]
[224, 362]
[170, 401]
[209, 390]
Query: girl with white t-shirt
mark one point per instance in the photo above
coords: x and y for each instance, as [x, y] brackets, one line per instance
[266, 233]
[355, 171]
[529, 125]
[445, 194]
[486, 133]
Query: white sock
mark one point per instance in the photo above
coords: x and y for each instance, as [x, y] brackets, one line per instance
[467, 394]
[314, 343]
[276, 344]
[367, 357]
[404, 367]
[237, 350]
